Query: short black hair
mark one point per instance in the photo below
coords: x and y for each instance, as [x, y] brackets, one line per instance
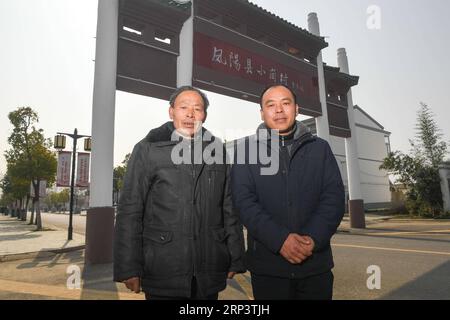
[182, 89]
[274, 86]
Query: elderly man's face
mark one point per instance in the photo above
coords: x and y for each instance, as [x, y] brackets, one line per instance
[279, 109]
[188, 113]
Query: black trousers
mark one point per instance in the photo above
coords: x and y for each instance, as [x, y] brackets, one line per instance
[195, 295]
[318, 287]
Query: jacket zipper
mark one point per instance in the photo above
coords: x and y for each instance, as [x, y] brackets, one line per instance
[288, 169]
[194, 255]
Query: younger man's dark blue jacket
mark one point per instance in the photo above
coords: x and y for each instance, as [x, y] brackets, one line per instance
[305, 196]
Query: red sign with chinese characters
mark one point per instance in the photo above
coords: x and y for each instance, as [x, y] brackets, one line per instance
[83, 170]
[63, 171]
[230, 61]
[227, 58]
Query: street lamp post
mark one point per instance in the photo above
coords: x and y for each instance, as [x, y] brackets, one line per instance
[61, 144]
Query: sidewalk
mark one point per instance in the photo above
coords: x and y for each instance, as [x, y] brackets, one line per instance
[370, 220]
[18, 240]
[36, 265]
[377, 224]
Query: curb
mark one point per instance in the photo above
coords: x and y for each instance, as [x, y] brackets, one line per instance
[39, 254]
[356, 231]
[419, 220]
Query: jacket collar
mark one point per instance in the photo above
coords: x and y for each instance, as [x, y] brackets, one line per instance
[163, 135]
[302, 132]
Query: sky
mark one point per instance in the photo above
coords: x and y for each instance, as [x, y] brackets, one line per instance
[47, 55]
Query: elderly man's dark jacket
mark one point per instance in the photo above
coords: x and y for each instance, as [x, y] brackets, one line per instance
[305, 196]
[175, 221]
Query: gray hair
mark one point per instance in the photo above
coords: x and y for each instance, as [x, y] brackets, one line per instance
[180, 90]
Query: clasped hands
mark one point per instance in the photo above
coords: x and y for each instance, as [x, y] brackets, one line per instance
[297, 248]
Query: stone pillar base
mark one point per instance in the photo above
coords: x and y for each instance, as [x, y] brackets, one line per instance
[99, 235]
[444, 172]
[356, 211]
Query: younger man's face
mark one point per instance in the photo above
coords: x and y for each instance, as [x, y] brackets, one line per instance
[279, 109]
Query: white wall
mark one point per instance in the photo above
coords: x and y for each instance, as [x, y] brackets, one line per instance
[361, 118]
[371, 151]
[371, 144]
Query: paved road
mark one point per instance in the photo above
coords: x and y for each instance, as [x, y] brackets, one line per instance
[413, 257]
[414, 260]
[61, 220]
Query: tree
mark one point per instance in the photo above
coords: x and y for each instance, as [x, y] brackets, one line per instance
[30, 154]
[419, 170]
[119, 174]
[57, 200]
[7, 191]
[5, 185]
[15, 188]
[63, 198]
[428, 144]
[20, 189]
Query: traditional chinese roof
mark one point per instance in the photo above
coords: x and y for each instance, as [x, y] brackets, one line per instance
[285, 22]
[172, 3]
[186, 6]
[166, 13]
[334, 73]
[257, 23]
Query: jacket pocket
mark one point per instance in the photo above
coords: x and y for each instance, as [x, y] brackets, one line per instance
[217, 255]
[159, 237]
[165, 255]
[260, 251]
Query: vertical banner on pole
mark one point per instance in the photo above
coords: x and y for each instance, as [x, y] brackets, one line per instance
[83, 170]
[63, 171]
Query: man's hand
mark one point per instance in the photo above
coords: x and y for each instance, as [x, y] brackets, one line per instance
[296, 248]
[308, 242]
[231, 275]
[134, 284]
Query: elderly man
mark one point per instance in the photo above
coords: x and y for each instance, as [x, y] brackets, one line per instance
[176, 234]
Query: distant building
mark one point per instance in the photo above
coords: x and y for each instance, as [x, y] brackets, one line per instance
[373, 147]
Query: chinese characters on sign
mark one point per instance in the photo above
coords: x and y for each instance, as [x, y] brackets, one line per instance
[217, 55]
[83, 170]
[63, 171]
[263, 72]
[239, 67]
